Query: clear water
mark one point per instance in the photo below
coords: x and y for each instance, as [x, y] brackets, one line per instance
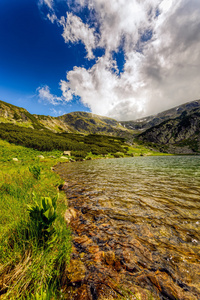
[153, 200]
[151, 188]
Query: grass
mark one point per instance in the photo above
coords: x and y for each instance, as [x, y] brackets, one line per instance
[30, 269]
[140, 150]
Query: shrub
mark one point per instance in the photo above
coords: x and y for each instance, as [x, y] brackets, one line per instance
[118, 155]
[79, 154]
[36, 171]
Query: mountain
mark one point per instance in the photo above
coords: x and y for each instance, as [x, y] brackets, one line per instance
[179, 135]
[75, 122]
[150, 121]
[84, 122]
[176, 130]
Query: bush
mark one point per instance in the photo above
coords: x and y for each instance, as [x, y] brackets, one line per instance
[118, 155]
[79, 154]
[47, 140]
[36, 171]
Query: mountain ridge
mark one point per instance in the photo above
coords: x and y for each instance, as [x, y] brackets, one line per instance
[19, 115]
[74, 122]
[145, 123]
[180, 135]
[176, 130]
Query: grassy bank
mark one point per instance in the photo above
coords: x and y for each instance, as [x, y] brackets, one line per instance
[32, 260]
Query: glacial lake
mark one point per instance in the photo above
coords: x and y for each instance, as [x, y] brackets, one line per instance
[148, 207]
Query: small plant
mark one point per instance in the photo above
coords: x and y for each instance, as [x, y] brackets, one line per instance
[36, 171]
[43, 215]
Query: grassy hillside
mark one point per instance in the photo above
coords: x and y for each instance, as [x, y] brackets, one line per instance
[33, 257]
[90, 123]
[81, 146]
[76, 122]
[17, 115]
[45, 140]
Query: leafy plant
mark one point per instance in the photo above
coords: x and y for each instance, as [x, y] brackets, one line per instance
[36, 171]
[43, 215]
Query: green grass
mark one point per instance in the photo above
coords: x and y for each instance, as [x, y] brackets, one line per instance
[30, 269]
[140, 150]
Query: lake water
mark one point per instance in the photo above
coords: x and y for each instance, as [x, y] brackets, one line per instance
[148, 208]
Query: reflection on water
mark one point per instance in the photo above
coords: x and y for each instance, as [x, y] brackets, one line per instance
[151, 207]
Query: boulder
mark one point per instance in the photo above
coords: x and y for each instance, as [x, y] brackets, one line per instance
[40, 156]
[67, 153]
[15, 159]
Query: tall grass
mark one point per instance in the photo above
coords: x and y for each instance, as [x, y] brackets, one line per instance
[29, 268]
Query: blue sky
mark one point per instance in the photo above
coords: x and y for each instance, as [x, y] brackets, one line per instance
[120, 58]
[33, 54]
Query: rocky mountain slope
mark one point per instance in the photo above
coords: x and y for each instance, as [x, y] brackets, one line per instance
[150, 121]
[180, 135]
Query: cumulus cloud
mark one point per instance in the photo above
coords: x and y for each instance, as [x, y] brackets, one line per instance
[103, 90]
[74, 30]
[45, 95]
[160, 40]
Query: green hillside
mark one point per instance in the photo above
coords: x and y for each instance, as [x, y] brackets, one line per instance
[76, 122]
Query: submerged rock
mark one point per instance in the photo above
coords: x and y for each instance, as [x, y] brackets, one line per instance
[76, 271]
[69, 215]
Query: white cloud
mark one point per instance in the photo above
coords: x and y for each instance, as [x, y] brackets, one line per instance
[158, 73]
[49, 3]
[57, 113]
[45, 95]
[52, 17]
[74, 31]
[122, 21]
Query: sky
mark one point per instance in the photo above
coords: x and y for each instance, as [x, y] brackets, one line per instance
[124, 59]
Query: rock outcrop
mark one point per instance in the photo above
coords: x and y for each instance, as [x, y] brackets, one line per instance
[180, 135]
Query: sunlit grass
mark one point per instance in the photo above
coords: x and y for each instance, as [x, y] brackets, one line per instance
[140, 150]
[29, 270]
